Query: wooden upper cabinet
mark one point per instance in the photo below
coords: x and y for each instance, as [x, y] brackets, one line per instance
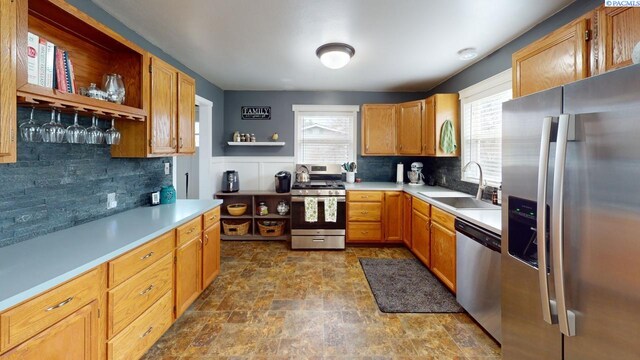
[410, 127]
[557, 59]
[8, 124]
[162, 116]
[186, 114]
[393, 206]
[378, 129]
[440, 108]
[74, 337]
[618, 33]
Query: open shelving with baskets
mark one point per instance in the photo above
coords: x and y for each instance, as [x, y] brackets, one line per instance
[251, 226]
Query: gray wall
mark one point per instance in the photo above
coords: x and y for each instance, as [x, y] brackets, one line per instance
[204, 88]
[56, 186]
[282, 115]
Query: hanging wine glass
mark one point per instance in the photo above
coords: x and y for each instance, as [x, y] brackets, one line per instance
[95, 135]
[52, 132]
[60, 131]
[76, 133]
[112, 135]
[29, 130]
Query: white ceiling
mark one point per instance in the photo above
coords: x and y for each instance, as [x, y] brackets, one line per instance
[402, 45]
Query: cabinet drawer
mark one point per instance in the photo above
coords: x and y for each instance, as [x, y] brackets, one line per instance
[37, 314]
[364, 211]
[364, 196]
[364, 232]
[128, 300]
[421, 206]
[138, 337]
[211, 217]
[139, 258]
[443, 218]
[189, 231]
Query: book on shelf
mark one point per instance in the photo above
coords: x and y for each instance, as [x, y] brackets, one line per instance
[61, 78]
[42, 61]
[33, 46]
[50, 66]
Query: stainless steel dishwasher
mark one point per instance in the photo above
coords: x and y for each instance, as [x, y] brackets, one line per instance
[478, 275]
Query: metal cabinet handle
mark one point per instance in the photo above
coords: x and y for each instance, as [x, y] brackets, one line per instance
[541, 230]
[173, 142]
[206, 239]
[63, 303]
[181, 143]
[146, 290]
[147, 256]
[213, 217]
[364, 232]
[566, 318]
[364, 212]
[190, 231]
[146, 332]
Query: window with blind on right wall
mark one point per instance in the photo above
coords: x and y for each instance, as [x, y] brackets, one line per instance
[481, 135]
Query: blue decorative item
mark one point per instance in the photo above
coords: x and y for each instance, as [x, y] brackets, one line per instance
[168, 195]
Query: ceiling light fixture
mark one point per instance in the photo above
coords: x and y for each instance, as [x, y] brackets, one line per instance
[335, 55]
[467, 54]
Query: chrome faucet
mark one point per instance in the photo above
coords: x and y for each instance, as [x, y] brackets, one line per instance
[481, 183]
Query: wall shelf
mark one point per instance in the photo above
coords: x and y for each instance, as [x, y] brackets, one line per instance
[257, 143]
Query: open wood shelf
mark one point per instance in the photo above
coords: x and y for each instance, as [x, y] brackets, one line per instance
[232, 217]
[272, 217]
[41, 97]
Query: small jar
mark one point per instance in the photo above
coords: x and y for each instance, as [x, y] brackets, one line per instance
[242, 137]
[236, 136]
[283, 208]
[253, 137]
[262, 209]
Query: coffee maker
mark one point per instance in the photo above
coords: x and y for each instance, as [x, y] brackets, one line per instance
[230, 181]
[415, 175]
[283, 182]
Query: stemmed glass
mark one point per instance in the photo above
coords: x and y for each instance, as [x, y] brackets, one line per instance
[95, 135]
[29, 130]
[76, 133]
[52, 132]
[112, 135]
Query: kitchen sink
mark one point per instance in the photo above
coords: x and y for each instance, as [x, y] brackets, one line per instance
[465, 203]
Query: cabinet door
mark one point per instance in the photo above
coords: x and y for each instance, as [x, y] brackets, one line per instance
[393, 204]
[211, 254]
[406, 216]
[162, 116]
[557, 59]
[420, 238]
[378, 129]
[74, 337]
[188, 274]
[443, 255]
[186, 114]
[429, 127]
[410, 127]
[446, 108]
[619, 32]
[8, 13]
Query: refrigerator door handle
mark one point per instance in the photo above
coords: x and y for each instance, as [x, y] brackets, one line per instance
[566, 318]
[541, 230]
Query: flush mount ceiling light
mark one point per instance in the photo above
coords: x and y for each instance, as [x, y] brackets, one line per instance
[467, 54]
[335, 55]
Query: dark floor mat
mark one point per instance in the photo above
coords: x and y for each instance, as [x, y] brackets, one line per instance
[406, 286]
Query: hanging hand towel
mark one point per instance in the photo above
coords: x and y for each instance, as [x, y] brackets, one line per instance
[448, 137]
[330, 209]
[310, 209]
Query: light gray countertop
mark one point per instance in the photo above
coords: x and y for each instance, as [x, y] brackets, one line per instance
[488, 219]
[33, 266]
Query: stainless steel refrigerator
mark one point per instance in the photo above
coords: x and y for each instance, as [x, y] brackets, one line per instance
[571, 191]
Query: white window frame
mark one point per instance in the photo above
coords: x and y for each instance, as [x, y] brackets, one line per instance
[300, 110]
[485, 88]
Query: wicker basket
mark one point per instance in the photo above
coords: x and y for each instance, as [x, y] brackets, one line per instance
[236, 227]
[271, 228]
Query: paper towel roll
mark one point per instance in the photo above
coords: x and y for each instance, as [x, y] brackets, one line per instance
[400, 174]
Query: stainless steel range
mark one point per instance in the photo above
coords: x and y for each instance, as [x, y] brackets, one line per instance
[324, 182]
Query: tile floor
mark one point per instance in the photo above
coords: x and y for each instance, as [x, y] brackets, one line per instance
[273, 303]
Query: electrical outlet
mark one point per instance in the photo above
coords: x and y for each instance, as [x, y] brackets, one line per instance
[112, 200]
[167, 168]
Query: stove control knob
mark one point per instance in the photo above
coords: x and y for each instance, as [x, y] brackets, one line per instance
[306, 192]
[330, 192]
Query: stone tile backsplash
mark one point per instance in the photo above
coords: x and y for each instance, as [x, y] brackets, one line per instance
[55, 186]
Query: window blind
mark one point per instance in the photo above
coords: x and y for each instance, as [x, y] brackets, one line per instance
[482, 137]
[325, 137]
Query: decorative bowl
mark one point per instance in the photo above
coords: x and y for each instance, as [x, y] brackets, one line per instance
[237, 209]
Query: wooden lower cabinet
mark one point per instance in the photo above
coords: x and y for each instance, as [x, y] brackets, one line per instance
[138, 337]
[74, 337]
[188, 274]
[211, 254]
[366, 232]
[406, 220]
[443, 254]
[421, 237]
[393, 203]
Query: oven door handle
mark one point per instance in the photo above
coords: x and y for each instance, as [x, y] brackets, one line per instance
[320, 199]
